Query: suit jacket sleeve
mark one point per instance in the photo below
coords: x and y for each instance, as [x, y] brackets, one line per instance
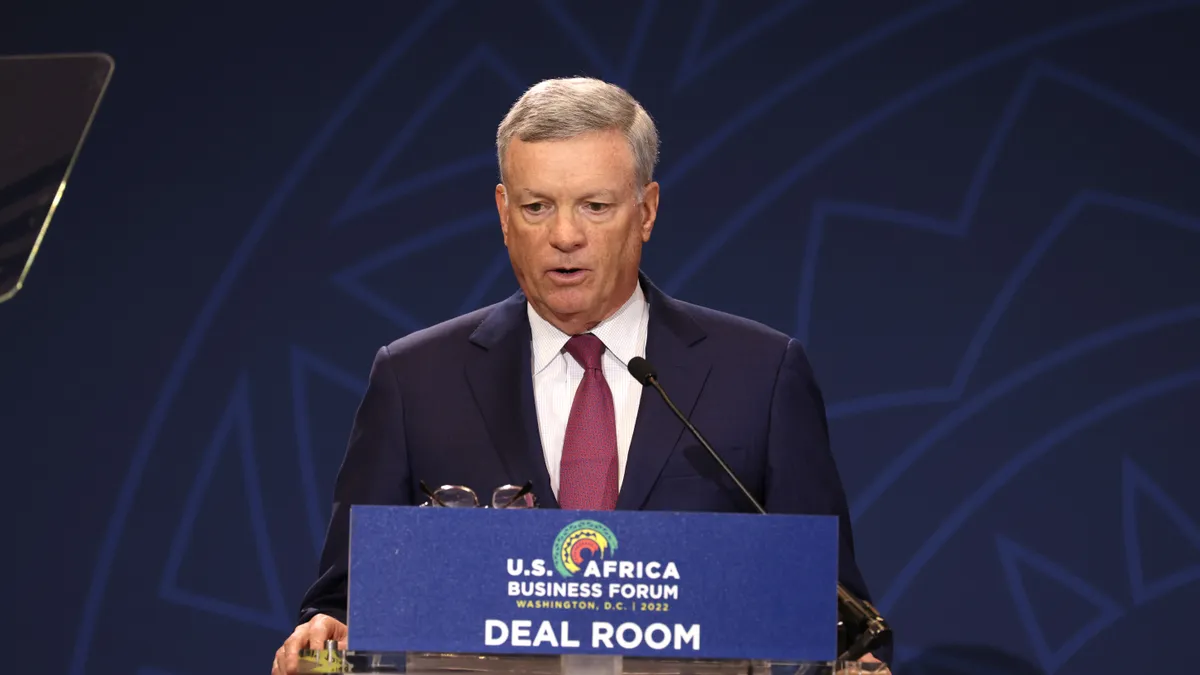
[802, 476]
[374, 471]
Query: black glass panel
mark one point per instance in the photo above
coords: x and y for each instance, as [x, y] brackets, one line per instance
[46, 107]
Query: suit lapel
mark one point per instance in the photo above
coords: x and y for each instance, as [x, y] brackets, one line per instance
[501, 382]
[682, 371]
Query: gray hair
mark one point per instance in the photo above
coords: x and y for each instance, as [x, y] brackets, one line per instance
[564, 108]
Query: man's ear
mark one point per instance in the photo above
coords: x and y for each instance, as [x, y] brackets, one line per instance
[502, 210]
[649, 210]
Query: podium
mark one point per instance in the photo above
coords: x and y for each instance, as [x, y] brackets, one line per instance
[439, 590]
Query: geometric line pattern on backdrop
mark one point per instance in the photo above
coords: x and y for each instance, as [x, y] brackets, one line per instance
[957, 517]
[500, 264]
[1012, 558]
[960, 227]
[236, 427]
[367, 194]
[760, 106]
[1133, 481]
[693, 64]
[305, 364]
[752, 209]
[351, 281]
[198, 330]
[900, 463]
[896, 467]
[583, 40]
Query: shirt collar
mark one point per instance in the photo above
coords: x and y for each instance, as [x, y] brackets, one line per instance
[619, 332]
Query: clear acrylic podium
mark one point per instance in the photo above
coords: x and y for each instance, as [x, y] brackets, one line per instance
[335, 661]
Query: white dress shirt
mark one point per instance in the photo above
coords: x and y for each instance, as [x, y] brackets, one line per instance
[556, 376]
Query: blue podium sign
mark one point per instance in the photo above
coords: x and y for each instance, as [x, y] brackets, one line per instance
[637, 583]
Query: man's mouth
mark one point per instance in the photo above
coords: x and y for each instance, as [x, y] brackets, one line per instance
[567, 275]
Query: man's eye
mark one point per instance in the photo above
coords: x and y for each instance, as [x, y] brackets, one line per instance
[597, 207]
[534, 208]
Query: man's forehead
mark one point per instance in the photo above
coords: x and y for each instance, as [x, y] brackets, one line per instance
[575, 192]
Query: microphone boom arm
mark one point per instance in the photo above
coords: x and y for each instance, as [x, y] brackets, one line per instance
[869, 629]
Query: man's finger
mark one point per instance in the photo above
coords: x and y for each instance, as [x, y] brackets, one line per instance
[295, 641]
[278, 665]
[289, 654]
[311, 635]
[320, 629]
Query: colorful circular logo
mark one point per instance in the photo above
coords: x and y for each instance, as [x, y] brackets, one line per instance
[579, 542]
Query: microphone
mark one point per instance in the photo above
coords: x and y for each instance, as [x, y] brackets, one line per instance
[868, 625]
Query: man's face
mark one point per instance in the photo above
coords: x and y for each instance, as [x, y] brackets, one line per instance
[573, 225]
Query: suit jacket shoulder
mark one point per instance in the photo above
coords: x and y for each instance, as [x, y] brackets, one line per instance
[431, 352]
[435, 339]
[758, 351]
[734, 327]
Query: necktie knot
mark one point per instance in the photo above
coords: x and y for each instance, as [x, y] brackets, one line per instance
[587, 349]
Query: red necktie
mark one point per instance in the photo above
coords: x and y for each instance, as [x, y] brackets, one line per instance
[588, 471]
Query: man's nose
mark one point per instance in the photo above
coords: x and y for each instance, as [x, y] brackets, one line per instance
[565, 233]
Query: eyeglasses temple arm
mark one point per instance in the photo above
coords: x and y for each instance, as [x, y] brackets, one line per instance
[524, 491]
[429, 493]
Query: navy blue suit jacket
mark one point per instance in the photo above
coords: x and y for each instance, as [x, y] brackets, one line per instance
[453, 404]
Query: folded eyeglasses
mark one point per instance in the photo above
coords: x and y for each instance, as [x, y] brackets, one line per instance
[461, 496]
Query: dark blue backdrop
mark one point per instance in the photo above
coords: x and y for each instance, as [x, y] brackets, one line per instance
[982, 218]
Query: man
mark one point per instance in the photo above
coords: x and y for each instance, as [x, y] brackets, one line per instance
[536, 387]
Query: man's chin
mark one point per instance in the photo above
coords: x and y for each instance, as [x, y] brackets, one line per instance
[564, 312]
[568, 302]
[568, 311]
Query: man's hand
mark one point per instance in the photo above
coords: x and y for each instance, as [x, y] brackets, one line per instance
[311, 635]
[853, 667]
[870, 658]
